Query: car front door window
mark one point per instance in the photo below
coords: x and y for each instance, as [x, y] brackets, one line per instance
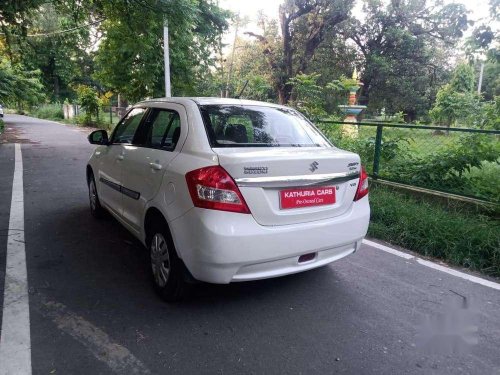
[126, 129]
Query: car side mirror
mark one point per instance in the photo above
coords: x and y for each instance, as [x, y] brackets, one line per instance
[99, 137]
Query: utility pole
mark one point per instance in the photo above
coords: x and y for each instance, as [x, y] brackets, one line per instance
[230, 70]
[480, 83]
[166, 56]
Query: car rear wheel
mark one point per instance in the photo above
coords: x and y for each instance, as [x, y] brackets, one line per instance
[166, 267]
[95, 206]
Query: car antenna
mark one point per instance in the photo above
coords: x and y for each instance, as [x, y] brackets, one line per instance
[243, 89]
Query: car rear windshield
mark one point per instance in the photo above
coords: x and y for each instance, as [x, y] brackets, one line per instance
[259, 126]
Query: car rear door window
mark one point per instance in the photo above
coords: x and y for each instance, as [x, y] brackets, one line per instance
[126, 129]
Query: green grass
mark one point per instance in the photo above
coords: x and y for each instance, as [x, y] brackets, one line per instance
[455, 235]
[485, 181]
[422, 142]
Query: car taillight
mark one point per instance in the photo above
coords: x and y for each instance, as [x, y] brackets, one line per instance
[213, 188]
[362, 186]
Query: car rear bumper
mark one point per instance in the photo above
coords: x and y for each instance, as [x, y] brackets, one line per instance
[222, 247]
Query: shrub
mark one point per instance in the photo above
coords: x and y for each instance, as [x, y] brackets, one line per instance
[450, 167]
[452, 234]
[489, 115]
[52, 111]
[89, 102]
[466, 164]
[364, 146]
[82, 120]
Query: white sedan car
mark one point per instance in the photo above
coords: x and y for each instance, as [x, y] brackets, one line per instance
[226, 190]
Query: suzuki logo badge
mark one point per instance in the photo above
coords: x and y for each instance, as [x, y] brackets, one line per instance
[314, 166]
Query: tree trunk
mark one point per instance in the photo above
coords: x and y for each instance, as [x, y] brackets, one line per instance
[284, 93]
[56, 87]
[364, 95]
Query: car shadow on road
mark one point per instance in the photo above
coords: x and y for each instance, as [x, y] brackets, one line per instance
[109, 264]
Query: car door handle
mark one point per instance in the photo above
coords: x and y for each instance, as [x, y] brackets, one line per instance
[120, 157]
[155, 166]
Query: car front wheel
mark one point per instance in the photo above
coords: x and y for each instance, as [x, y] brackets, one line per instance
[95, 206]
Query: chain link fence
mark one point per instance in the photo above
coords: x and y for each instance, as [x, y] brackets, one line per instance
[112, 114]
[460, 161]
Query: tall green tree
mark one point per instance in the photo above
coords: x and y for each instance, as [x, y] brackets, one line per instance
[130, 55]
[59, 48]
[52, 37]
[303, 26]
[112, 44]
[456, 101]
[19, 88]
[491, 75]
[404, 45]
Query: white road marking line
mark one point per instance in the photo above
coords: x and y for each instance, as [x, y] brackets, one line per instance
[438, 267]
[118, 358]
[388, 249]
[462, 275]
[15, 345]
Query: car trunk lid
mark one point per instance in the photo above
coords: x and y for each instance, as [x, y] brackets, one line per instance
[289, 185]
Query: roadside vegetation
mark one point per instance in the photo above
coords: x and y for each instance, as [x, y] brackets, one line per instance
[461, 163]
[54, 112]
[452, 233]
[49, 111]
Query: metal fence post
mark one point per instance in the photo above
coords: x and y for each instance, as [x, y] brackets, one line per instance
[110, 114]
[378, 150]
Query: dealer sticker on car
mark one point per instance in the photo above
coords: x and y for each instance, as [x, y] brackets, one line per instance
[306, 197]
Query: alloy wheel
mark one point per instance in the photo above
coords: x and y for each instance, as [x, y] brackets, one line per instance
[93, 195]
[160, 259]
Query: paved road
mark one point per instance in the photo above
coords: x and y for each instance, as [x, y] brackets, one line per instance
[92, 310]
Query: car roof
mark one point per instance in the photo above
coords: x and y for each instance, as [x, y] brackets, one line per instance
[210, 101]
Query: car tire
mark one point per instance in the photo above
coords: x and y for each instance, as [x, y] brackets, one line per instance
[95, 205]
[167, 270]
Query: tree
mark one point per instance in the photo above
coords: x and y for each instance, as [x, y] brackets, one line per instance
[48, 37]
[303, 25]
[483, 34]
[89, 101]
[60, 37]
[15, 17]
[456, 100]
[130, 56]
[404, 49]
[482, 48]
[463, 79]
[19, 87]
[491, 75]
[62, 57]
[309, 96]
[251, 78]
